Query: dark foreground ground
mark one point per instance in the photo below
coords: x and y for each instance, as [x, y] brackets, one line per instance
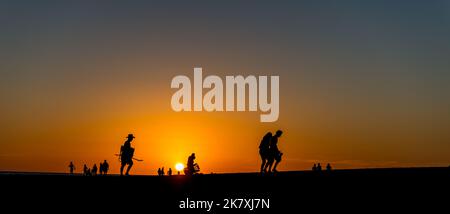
[357, 191]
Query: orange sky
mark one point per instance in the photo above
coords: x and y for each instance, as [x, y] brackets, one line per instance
[89, 126]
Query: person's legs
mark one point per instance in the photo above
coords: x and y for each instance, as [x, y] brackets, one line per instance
[275, 166]
[268, 165]
[278, 160]
[121, 168]
[130, 164]
[263, 162]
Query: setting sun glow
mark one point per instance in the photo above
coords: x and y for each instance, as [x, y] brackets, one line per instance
[179, 166]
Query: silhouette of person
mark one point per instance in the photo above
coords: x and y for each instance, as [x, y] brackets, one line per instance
[169, 172]
[71, 167]
[94, 169]
[126, 155]
[191, 167]
[105, 167]
[162, 171]
[101, 168]
[319, 167]
[314, 168]
[264, 150]
[159, 171]
[328, 167]
[85, 170]
[274, 152]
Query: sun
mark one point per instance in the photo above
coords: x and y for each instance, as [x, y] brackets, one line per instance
[179, 166]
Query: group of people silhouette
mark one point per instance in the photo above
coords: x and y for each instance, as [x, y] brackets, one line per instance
[126, 159]
[162, 173]
[103, 169]
[269, 152]
[318, 168]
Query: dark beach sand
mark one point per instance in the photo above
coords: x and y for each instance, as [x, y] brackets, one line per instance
[340, 190]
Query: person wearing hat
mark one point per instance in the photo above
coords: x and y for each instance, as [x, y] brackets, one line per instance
[126, 154]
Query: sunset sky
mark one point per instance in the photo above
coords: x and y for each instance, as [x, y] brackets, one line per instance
[361, 84]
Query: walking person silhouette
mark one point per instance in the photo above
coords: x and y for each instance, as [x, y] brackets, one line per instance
[264, 150]
[274, 153]
[105, 167]
[71, 167]
[126, 155]
[100, 168]
[94, 169]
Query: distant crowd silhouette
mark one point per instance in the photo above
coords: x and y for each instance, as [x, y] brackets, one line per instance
[103, 169]
[162, 173]
[318, 168]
